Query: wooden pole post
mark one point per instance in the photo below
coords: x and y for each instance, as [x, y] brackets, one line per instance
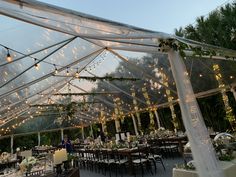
[39, 139]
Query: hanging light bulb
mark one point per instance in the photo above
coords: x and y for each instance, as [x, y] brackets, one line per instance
[8, 58]
[36, 65]
[56, 71]
[67, 72]
[77, 73]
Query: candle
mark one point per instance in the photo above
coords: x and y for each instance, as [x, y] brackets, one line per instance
[59, 156]
[56, 159]
[128, 138]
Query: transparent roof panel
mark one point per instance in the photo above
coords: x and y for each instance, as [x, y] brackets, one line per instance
[66, 67]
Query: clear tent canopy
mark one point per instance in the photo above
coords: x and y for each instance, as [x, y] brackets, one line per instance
[59, 57]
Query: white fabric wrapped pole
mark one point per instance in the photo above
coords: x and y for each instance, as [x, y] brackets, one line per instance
[202, 149]
[135, 124]
[117, 125]
[62, 134]
[234, 93]
[82, 131]
[158, 119]
[12, 141]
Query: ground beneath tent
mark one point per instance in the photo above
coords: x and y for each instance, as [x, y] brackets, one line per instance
[169, 164]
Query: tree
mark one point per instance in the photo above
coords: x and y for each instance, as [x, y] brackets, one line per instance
[219, 28]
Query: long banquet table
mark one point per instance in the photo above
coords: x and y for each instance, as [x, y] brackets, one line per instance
[71, 173]
[180, 140]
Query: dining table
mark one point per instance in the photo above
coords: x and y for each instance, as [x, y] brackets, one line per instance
[128, 152]
[179, 140]
[125, 152]
[75, 172]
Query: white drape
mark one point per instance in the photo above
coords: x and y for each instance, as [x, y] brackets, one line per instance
[202, 149]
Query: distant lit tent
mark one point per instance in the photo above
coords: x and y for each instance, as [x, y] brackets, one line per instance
[56, 42]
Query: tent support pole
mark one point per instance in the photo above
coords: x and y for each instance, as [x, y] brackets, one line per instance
[12, 143]
[135, 124]
[91, 130]
[62, 134]
[39, 139]
[82, 129]
[158, 119]
[234, 93]
[139, 122]
[203, 152]
[117, 125]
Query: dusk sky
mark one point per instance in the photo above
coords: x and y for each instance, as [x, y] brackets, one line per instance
[157, 15]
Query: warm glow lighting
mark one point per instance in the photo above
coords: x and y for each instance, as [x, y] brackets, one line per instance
[8, 58]
[231, 77]
[56, 71]
[77, 74]
[36, 66]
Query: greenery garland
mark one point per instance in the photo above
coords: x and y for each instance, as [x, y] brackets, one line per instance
[165, 45]
[107, 78]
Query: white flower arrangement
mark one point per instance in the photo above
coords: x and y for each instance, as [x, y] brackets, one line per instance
[5, 157]
[161, 129]
[27, 164]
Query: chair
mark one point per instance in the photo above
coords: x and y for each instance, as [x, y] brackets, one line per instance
[33, 173]
[81, 157]
[107, 160]
[153, 155]
[119, 161]
[90, 159]
[141, 160]
[169, 148]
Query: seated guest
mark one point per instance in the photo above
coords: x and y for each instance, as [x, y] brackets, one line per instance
[66, 143]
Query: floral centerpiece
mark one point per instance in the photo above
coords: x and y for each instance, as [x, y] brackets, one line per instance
[161, 133]
[222, 143]
[187, 148]
[27, 164]
[187, 166]
[5, 157]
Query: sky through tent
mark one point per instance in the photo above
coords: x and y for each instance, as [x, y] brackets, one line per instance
[62, 46]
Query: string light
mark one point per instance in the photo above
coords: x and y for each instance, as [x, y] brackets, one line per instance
[56, 70]
[67, 71]
[36, 65]
[231, 77]
[77, 73]
[229, 111]
[8, 58]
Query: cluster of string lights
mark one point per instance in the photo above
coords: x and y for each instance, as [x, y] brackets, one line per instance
[9, 59]
[8, 129]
